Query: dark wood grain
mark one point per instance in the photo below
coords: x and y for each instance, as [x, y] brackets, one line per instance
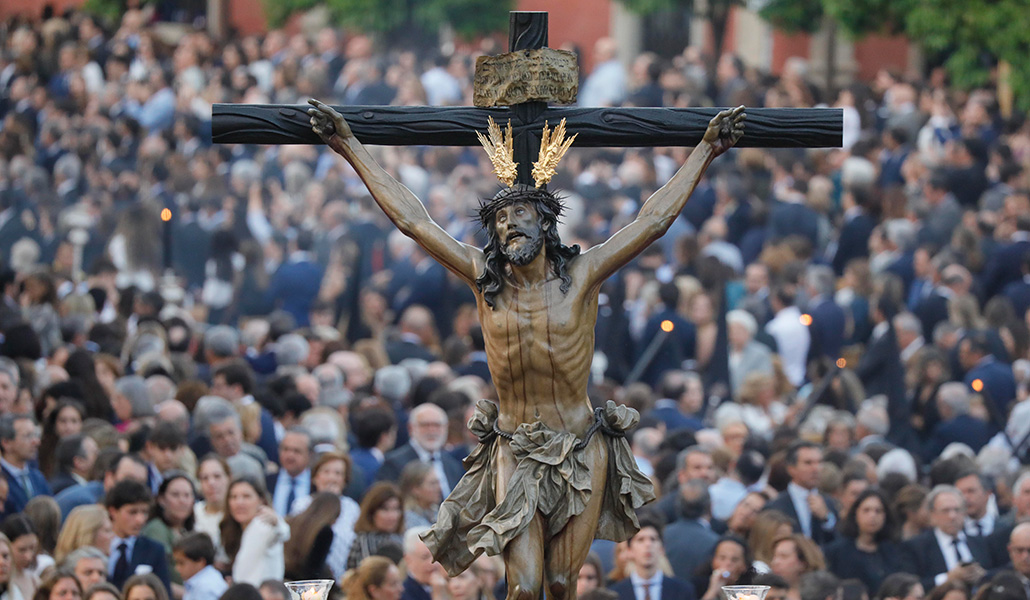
[597, 127]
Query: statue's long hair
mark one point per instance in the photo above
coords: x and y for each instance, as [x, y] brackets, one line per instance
[549, 207]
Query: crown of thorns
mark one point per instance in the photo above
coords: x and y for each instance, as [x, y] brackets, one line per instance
[519, 193]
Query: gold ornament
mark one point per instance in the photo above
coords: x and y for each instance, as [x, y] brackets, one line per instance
[553, 146]
[499, 148]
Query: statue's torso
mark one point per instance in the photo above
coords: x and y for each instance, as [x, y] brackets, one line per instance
[539, 345]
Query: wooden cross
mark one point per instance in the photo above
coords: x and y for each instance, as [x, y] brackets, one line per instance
[596, 127]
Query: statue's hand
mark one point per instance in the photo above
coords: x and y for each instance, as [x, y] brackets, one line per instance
[326, 122]
[725, 129]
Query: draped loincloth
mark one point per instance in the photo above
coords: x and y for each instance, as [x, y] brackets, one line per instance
[551, 477]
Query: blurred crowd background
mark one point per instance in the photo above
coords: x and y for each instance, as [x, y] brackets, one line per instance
[223, 365]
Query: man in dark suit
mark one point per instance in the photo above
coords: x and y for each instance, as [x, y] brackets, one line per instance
[690, 539]
[813, 512]
[1005, 265]
[647, 582]
[828, 319]
[293, 481]
[675, 406]
[234, 381]
[376, 431]
[996, 381]
[957, 425]
[427, 432]
[945, 551]
[475, 364]
[420, 566]
[678, 344]
[1019, 554]
[295, 285]
[853, 241]
[415, 330]
[882, 372]
[1018, 291]
[75, 456]
[128, 505]
[1006, 524]
[19, 438]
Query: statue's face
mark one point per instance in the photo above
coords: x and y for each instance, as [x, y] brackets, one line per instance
[520, 233]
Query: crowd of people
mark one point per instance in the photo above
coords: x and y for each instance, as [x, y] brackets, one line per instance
[829, 350]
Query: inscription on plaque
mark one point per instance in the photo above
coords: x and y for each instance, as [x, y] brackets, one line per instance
[542, 75]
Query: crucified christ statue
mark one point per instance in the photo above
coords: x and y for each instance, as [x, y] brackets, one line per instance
[549, 473]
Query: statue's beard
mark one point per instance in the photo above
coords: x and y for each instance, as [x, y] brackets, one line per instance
[526, 251]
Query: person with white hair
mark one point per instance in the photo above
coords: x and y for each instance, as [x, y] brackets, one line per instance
[746, 355]
[427, 433]
[957, 424]
[897, 461]
[291, 350]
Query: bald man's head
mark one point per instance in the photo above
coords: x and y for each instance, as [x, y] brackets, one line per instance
[1019, 549]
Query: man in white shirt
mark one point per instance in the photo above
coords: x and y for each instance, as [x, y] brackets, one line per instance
[293, 481]
[790, 331]
[646, 581]
[981, 509]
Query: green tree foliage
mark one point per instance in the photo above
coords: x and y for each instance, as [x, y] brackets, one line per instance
[972, 35]
[403, 19]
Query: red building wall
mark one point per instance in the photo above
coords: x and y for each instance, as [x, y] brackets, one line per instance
[581, 22]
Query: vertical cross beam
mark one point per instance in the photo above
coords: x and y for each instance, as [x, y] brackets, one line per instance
[526, 31]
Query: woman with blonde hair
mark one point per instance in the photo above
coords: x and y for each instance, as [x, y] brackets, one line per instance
[7, 590]
[793, 556]
[769, 526]
[376, 578]
[87, 525]
[420, 489]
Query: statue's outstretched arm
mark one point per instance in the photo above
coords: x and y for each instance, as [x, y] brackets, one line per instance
[396, 200]
[661, 209]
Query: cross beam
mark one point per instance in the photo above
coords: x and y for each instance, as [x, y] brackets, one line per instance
[596, 127]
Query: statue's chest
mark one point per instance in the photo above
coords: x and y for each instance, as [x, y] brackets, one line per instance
[533, 312]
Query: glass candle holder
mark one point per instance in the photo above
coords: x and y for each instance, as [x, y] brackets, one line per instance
[745, 592]
[312, 589]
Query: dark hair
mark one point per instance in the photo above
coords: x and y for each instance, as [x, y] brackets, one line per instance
[849, 527]
[705, 569]
[159, 511]
[378, 495]
[17, 525]
[127, 491]
[148, 579]
[370, 423]
[196, 546]
[237, 373]
[549, 208]
[45, 515]
[241, 591]
[232, 531]
[101, 586]
[772, 580]
[68, 449]
[896, 585]
[306, 527]
[50, 582]
[795, 448]
[328, 457]
[166, 436]
[652, 520]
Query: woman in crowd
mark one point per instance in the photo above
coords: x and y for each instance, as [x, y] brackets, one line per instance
[7, 591]
[591, 575]
[744, 514]
[909, 506]
[769, 526]
[95, 395]
[865, 550]
[465, 586]
[949, 590]
[730, 560]
[213, 474]
[59, 585]
[45, 515]
[144, 587]
[420, 488]
[899, 587]
[101, 591]
[381, 522]
[173, 516]
[64, 420]
[927, 371]
[87, 525]
[376, 578]
[252, 533]
[24, 551]
[793, 556]
[331, 474]
[311, 537]
[39, 307]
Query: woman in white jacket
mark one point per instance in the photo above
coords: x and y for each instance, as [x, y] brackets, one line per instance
[252, 533]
